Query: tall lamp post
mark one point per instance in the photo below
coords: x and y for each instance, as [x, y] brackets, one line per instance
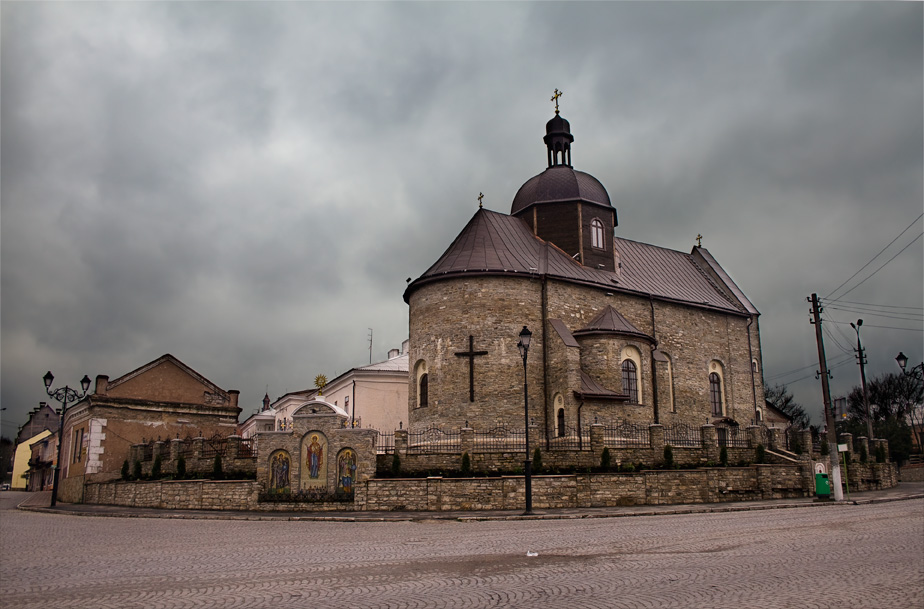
[861, 357]
[523, 346]
[916, 374]
[65, 395]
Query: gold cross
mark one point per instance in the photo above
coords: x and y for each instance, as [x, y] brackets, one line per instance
[480, 197]
[555, 99]
[699, 240]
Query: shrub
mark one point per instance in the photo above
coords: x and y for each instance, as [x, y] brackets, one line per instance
[395, 464]
[825, 449]
[125, 471]
[862, 453]
[537, 460]
[180, 467]
[880, 453]
[156, 467]
[760, 455]
[136, 470]
[723, 456]
[216, 467]
[606, 459]
[627, 467]
[668, 457]
[466, 464]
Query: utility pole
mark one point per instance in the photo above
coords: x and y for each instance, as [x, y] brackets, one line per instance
[861, 357]
[826, 394]
[370, 346]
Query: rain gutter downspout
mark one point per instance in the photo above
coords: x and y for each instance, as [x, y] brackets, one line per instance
[654, 372]
[751, 366]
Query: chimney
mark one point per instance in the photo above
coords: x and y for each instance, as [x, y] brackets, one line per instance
[405, 346]
[234, 394]
[393, 353]
[102, 384]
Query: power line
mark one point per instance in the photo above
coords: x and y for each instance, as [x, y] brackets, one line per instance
[881, 267]
[867, 304]
[873, 258]
[833, 321]
[782, 374]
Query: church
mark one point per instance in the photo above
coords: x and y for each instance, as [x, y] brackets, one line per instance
[621, 331]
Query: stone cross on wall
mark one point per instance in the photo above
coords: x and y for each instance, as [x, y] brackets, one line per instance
[471, 354]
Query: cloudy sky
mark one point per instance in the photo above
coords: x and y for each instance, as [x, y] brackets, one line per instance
[248, 185]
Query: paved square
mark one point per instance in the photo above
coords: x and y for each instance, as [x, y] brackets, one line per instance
[835, 556]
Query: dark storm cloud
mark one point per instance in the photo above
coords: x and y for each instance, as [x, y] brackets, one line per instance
[248, 185]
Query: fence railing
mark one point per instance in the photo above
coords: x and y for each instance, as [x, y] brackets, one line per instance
[627, 435]
[570, 438]
[681, 435]
[732, 437]
[500, 439]
[385, 444]
[215, 445]
[434, 440]
[247, 448]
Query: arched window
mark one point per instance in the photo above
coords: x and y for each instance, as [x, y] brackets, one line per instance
[423, 384]
[561, 422]
[596, 234]
[630, 380]
[715, 393]
[423, 390]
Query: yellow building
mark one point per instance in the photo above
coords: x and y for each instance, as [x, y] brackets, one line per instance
[21, 460]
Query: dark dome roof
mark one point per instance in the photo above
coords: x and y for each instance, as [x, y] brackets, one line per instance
[560, 183]
[557, 125]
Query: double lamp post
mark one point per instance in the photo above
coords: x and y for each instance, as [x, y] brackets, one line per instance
[65, 395]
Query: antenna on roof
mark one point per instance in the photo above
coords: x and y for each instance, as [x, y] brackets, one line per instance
[370, 345]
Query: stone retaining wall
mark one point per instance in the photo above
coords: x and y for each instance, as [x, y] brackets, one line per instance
[650, 487]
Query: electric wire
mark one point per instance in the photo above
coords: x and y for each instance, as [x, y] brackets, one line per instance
[874, 258]
[913, 241]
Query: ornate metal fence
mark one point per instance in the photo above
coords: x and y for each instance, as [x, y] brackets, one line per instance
[732, 437]
[682, 435]
[216, 445]
[627, 435]
[385, 444]
[434, 440]
[247, 448]
[500, 439]
[570, 438]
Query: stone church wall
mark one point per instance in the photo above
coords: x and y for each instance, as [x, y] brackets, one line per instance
[493, 310]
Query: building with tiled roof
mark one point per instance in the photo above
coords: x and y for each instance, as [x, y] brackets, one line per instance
[621, 330]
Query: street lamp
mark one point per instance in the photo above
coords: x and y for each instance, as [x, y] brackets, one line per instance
[523, 346]
[65, 396]
[862, 360]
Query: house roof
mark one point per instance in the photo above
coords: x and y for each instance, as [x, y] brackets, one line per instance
[497, 244]
[610, 321]
[591, 389]
[173, 360]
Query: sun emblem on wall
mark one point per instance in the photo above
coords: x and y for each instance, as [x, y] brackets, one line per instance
[319, 382]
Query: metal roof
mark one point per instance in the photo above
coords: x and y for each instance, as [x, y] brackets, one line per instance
[497, 244]
[560, 183]
[611, 321]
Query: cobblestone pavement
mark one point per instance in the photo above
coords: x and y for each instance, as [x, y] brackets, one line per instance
[843, 556]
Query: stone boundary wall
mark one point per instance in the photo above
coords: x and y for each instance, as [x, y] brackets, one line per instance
[237, 455]
[649, 487]
[176, 494]
[708, 485]
[912, 473]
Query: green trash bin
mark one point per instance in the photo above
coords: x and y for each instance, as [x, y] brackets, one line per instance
[822, 486]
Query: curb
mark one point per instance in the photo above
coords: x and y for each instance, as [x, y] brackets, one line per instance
[417, 517]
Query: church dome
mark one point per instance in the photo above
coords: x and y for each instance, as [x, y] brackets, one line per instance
[560, 183]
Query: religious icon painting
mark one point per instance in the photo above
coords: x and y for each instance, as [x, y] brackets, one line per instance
[313, 469]
[280, 464]
[346, 470]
